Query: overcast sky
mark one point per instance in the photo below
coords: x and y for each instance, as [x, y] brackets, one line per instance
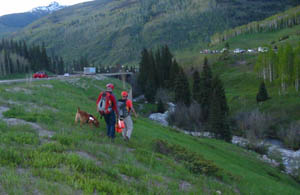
[17, 6]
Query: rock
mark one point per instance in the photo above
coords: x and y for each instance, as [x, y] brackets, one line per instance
[160, 118]
[139, 98]
[185, 186]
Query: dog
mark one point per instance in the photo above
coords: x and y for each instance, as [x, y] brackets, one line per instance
[85, 117]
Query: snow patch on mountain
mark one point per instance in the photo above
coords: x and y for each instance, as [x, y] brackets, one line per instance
[52, 7]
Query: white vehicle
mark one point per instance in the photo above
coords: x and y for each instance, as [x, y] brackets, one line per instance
[238, 50]
[250, 51]
[66, 75]
[262, 49]
[223, 50]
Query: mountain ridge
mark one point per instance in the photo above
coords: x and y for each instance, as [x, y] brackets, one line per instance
[12, 22]
[109, 32]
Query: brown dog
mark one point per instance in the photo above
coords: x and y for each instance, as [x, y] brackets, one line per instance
[85, 117]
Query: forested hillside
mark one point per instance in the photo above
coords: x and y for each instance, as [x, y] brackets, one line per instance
[12, 22]
[17, 57]
[287, 19]
[108, 32]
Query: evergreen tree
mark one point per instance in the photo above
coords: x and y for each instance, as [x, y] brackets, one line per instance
[61, 66]
[149, 92]
[151, 84]
[166, 64]
[205, 89]
[219, 111]
[196, 86]
[143, 70]
[182, 89]
[160, 107]
[227, 45]
[174, 70]
[262, 94]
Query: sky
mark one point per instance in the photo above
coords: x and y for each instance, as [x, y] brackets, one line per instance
[18, 6]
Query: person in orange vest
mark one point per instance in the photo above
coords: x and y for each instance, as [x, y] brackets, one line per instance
[125, 108]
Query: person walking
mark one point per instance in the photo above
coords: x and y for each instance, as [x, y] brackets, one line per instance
[107, 107]
[125, 108]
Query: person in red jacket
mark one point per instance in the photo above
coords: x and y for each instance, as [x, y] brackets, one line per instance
[107, 107]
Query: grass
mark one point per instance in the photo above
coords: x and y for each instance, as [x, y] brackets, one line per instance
[83, 160]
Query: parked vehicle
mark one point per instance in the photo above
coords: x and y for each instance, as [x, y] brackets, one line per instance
[40, 75]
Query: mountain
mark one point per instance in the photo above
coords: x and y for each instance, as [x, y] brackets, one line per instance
[115, 31]
[13, 22]
[52, 7]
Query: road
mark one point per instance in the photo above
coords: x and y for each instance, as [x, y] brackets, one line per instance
[60, 77]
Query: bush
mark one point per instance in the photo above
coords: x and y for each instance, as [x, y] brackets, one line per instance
[187, 117]
[254, 124]
[163, 95]
[258, 148]
[193, 161]
[291, 136]
[160, 107]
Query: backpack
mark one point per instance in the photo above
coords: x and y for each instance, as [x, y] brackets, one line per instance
[123, 111]
[105, 104]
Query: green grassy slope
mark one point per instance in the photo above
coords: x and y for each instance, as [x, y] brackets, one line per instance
[78, 160]
[109, 32]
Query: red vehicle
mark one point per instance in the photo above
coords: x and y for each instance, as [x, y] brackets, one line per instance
[40, 75]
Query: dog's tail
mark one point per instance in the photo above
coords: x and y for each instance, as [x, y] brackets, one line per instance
[78, 109]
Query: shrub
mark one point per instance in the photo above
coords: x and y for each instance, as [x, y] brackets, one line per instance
[291, 136]
[186, 117]
[163, 95]
[254, 124]
[196, 163]
[258, 148]
[160, 107]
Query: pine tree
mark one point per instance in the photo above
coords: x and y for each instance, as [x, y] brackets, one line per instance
[219, 111]
[182, 89]
[174, 70]
[143, 70]
[150, 78]
[160, 107]
[205, 89]
[262, 94]
[166, 57]
[196, 86]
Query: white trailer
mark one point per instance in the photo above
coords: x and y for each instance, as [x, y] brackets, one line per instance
[89, 70]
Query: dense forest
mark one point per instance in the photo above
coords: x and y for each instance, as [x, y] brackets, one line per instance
[287, 19]
[18, 57]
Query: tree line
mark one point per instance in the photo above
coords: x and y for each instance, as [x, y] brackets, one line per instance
[284, 20]
[282, 67]
[159, 69]
[17, 57]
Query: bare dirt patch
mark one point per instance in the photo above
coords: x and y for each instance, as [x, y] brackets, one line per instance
[19, 89]
[29, 106]
[13, 121]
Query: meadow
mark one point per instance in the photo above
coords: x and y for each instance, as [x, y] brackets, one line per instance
[69, 159]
